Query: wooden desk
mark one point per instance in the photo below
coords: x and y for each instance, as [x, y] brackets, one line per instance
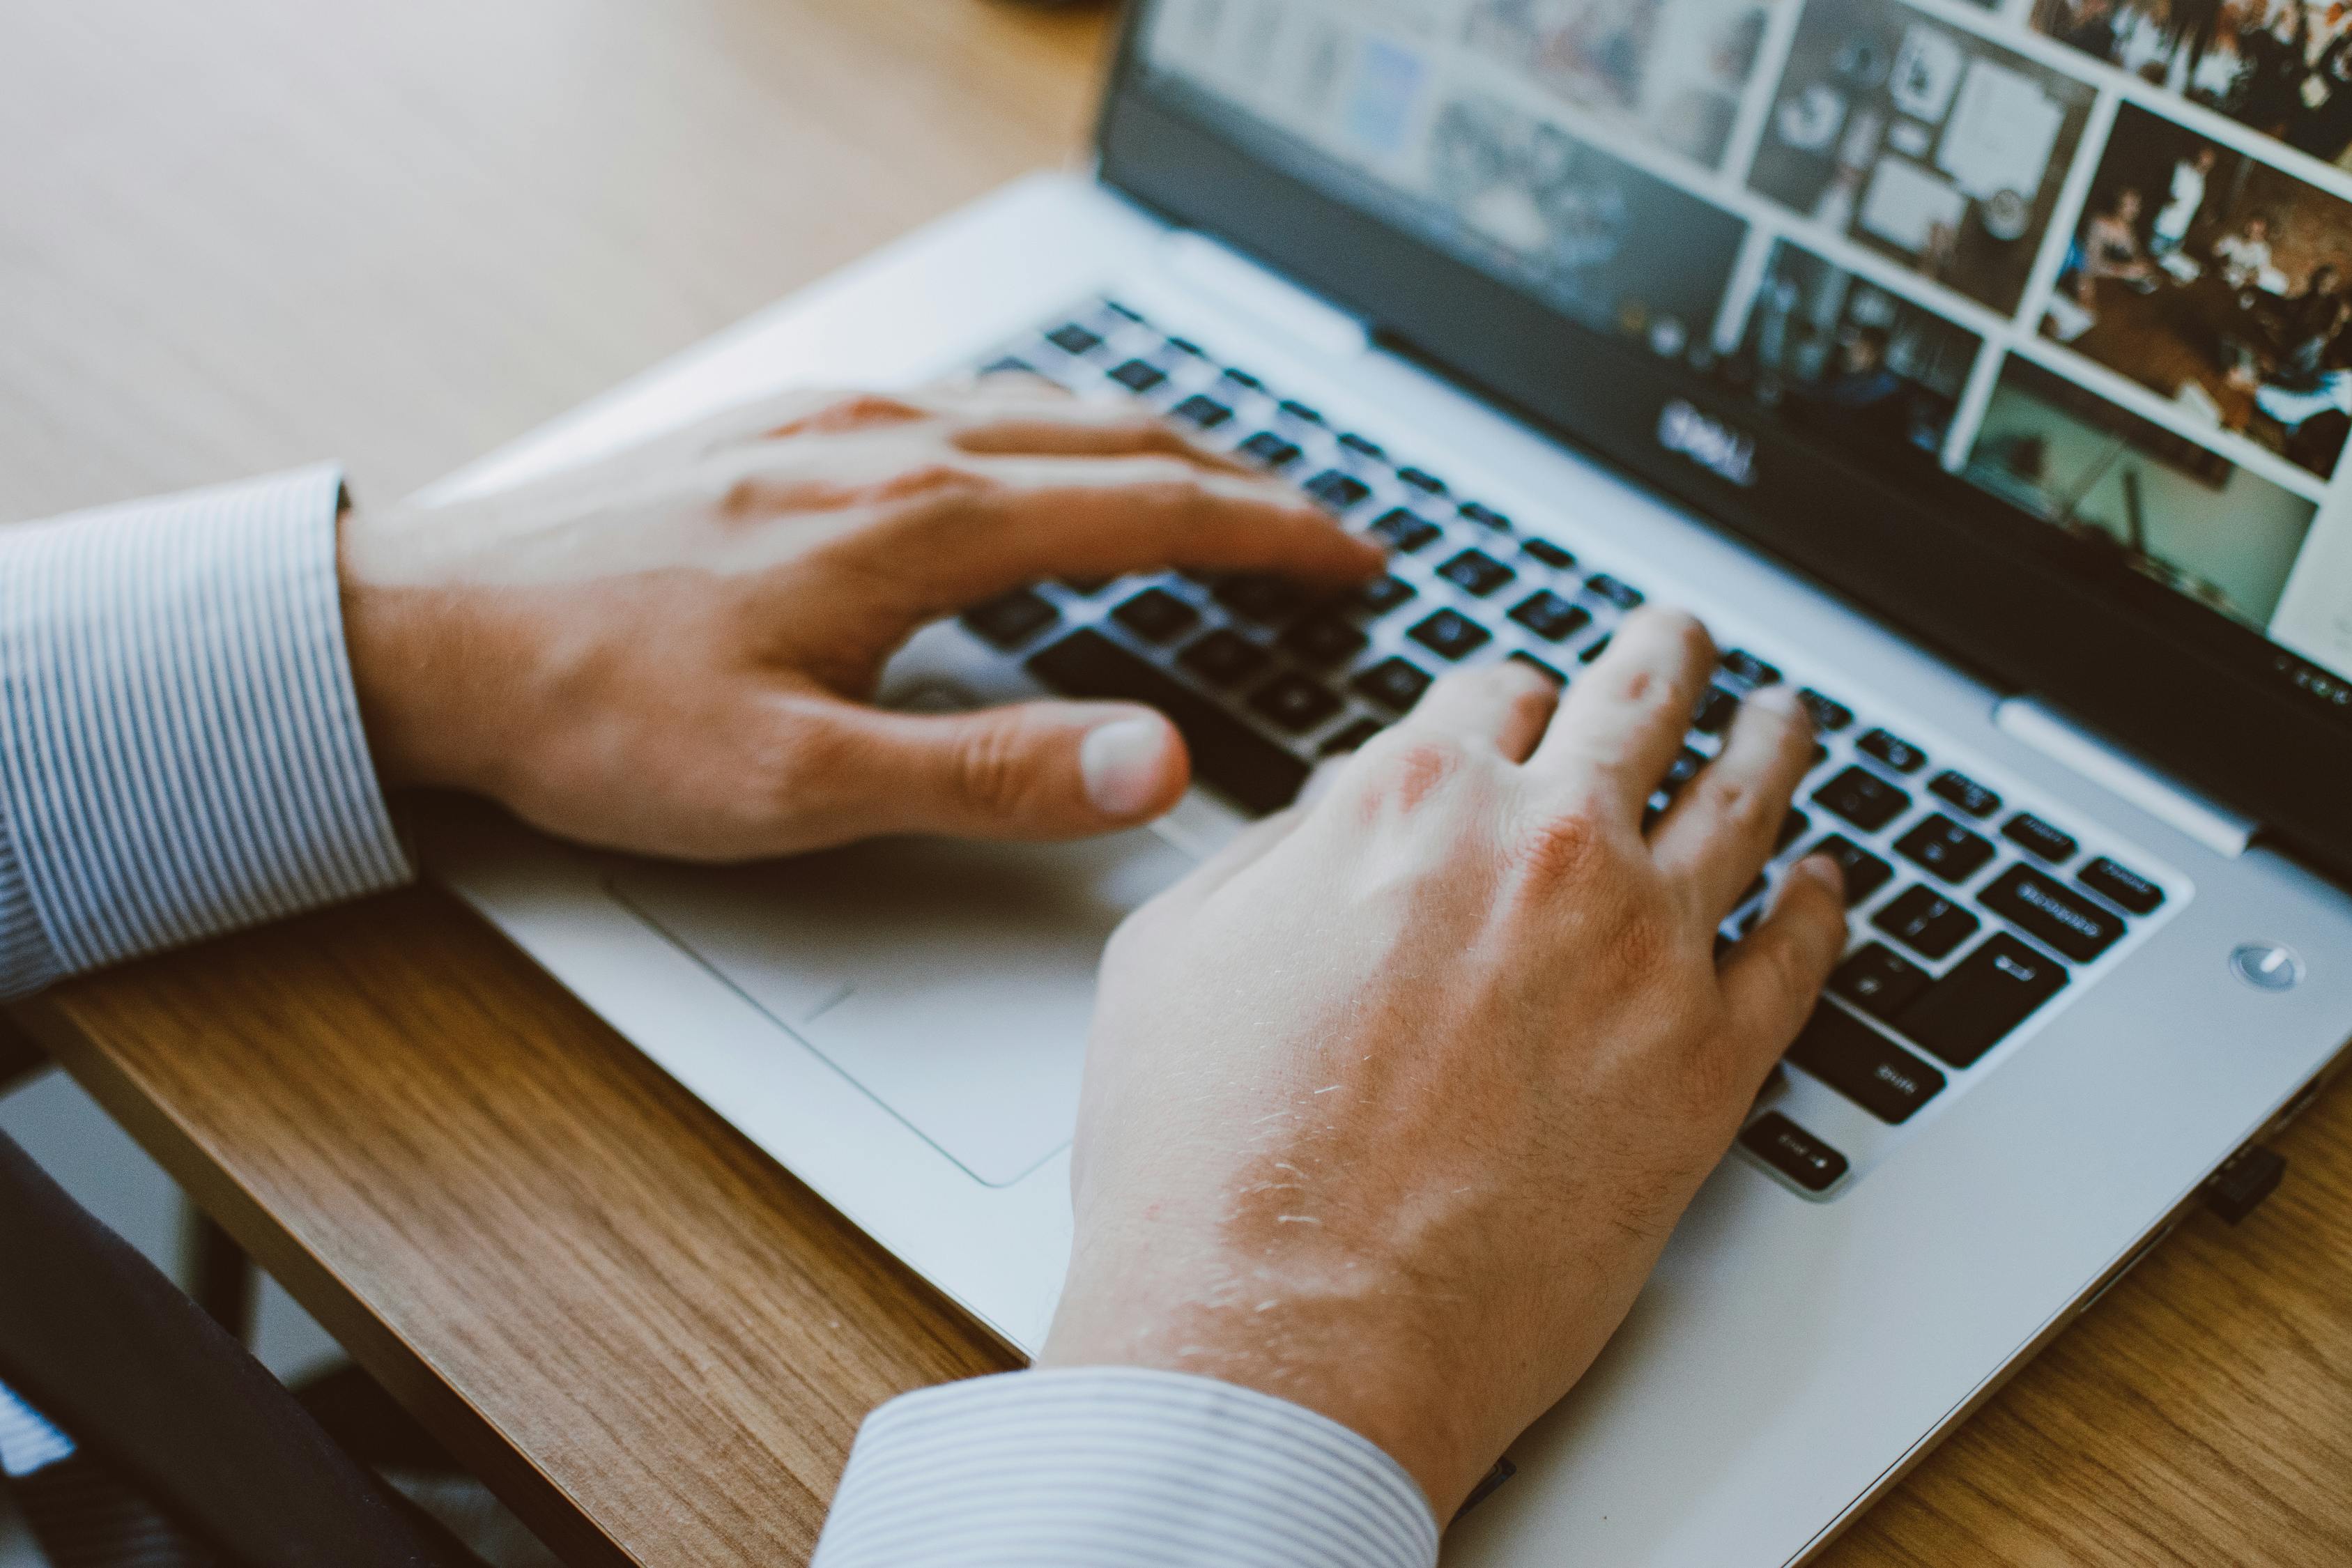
[246, 234]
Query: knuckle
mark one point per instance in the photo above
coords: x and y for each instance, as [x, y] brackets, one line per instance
[937, 479]
[1401, 770]
[1738, 803]
[990, 773]
[1563, 849]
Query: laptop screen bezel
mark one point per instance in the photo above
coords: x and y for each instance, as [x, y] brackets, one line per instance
[2020, 603]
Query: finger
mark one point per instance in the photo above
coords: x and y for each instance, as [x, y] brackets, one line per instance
[1085, 430]
[803, 411]
[1107, 517]
[1773, 979]
[1250, 846]
[1041, 771]
[1621, 725]
[1721, 829]
[1504, 705]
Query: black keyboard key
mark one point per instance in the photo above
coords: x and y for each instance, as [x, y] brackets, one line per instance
[1794, 1153]
[1363, 447]
[1271, 449]
[1965, 793]
[1616, 592]
[1123, 312]
[1395, 684]
[1893, 751]
[1349, 739]
[1074, 338]
[1156, 615]
[1187, 348]
[1340, 492]
[1484, 516]
[1519, 656]
[1863, 798]
[1300, 412]
[1591, 655]
[1880, 981]
[1224, 658]
[1422, 481]
[1139, 375]
[1793, 826]
[1681, 771]
[1550, 554]
[1716, 712]
[1227, 754]
[2077, 928]
[1202, 411]
[1926, 922]
[1381, 595]
[1864, 873]
[1011, 620]
[1864, 1066]
[1295, 703]
[1829, 714]
[1552, 617]
[1475, 572]
[1451, 635]
[2039, 839]
[1973, 1009]
[1255, 597]
[1325, 640]
[2121, 885]
[1942, 845]
[1741, 665]
[1009, 364]
[1243, 378]
[1404, 531]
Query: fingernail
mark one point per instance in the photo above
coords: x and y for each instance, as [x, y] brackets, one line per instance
[1123, 763]
[1825, 871]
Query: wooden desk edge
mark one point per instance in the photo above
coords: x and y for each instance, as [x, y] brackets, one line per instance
[404, 1370]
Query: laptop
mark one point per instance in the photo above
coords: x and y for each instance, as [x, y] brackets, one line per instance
[1924, 356]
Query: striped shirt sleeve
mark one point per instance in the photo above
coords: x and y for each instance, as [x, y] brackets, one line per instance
[1091, 1467]
[181, 750]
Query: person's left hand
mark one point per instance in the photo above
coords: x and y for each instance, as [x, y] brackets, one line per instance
[674, 651]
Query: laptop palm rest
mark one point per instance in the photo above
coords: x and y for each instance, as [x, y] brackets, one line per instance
[951, 981]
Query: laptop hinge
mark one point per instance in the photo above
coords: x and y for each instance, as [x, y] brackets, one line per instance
[1266, 297]
[2212, 824]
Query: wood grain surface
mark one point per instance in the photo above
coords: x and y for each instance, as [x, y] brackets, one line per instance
[250, 234]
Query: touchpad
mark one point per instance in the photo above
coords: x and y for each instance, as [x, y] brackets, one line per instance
[951, 981]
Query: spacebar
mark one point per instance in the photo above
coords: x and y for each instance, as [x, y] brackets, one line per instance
[1227, 754]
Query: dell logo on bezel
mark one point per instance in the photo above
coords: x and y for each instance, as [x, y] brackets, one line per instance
[1721, 450]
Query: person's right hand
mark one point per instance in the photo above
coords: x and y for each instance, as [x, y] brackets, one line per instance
[1390, 1110]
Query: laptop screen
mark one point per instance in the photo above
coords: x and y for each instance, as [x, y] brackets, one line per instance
[2091, 258]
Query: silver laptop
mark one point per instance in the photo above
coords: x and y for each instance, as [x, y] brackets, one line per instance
[1830, 320]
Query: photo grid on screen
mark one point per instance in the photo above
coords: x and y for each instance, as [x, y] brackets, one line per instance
[2093, 255]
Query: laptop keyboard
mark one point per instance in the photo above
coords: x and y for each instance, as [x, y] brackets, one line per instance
[1971, 913]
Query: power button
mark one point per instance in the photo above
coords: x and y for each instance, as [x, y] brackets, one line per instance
[2267, 966]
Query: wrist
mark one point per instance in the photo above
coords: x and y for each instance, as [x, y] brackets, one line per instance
[1358, 1354]
[405, 644]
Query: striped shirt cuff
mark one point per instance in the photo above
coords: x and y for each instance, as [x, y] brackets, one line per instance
[181, 750]
[1118, 1466]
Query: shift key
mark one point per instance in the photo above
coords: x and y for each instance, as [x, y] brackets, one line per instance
[1973, 1008]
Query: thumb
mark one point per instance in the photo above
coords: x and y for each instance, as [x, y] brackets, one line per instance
[1037, 770]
